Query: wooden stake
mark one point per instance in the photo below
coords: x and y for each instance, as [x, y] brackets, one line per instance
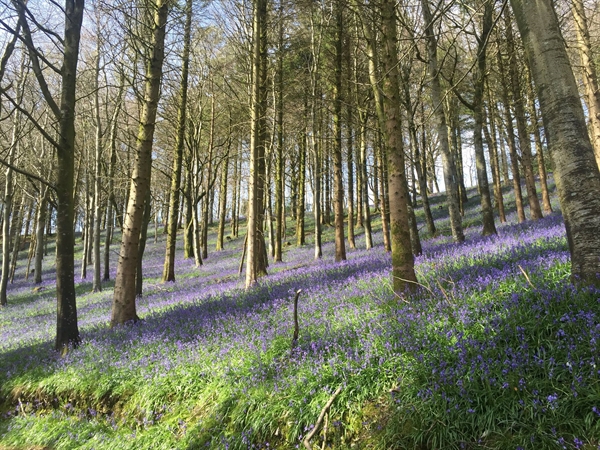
[296, 326]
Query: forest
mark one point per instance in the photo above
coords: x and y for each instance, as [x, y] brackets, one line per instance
[299, 224]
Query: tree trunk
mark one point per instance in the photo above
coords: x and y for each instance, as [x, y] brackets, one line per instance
[414, 142]
[8, 208]
[39, 233]
[449, 166]
[365, 182]
[222, 203]
[110, 219]
[173, 218]
[539, 148]
[235, 196]
[577, 177]
[403, 272]
[139, 273]
[512, 147]
[256, 264]
[67, 329]
[590, 77]
[535, 211]
[487, 210]
[16, 243]
[280, 162]
[492, 145]
[123, 308]
[338, 183]
[96, 280]
[301, 202]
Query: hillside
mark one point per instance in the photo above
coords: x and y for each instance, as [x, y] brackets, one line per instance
[496, 350]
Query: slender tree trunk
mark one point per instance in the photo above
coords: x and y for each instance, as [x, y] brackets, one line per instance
[316, 180]
[123, 308]
[590, 77]
[450, 173]
[539, 148]
[383, 198]
[280, 161]
[208, 189]
[173, 217]
[577, 177]
[16, 242]
[535, 211]
[365, 181]
[487, 210]
[492, 145]
[39, 234]
[301, 202]
[414, 142]
[256, 263]
[235, 202]
[96, 280]
[403, 272]
[514, 160]
[110, 219]
[338, 182]
[222, 203]
[8, 210]
[139, 273]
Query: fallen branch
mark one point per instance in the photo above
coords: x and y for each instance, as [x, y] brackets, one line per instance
[309, 436]
[296, 326]
[526, 276]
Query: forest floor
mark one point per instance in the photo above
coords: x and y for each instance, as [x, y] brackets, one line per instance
[496, 350]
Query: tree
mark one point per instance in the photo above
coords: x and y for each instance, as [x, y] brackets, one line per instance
[450, 173]
[403, 272]
[63, 111]
[123, 306]
[590, 77]
[338, 204]
[477, 106]
[576, 174]
[256, 260]
[173, 220]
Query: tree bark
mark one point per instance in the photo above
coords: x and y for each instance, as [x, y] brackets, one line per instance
[67, 329]
[256, 263]
[110, 213]
[492, 145]
[512, 146]
[366, 209]
[449, 166]
[173, 219]
[96, 280]
[338, 184]
[590, 76]
[487, 210]
[535, 211]
[576, 174]
[123, 307]
[403, 273]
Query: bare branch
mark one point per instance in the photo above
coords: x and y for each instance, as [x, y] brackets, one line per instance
[35, 60]
[33, 120]
[27, 174]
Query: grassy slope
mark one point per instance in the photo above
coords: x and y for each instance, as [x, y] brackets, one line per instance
[483, 357]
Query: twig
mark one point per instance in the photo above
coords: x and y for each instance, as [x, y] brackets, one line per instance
[443, 292]
[526, 276]
[308, 437]
[296, 326]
